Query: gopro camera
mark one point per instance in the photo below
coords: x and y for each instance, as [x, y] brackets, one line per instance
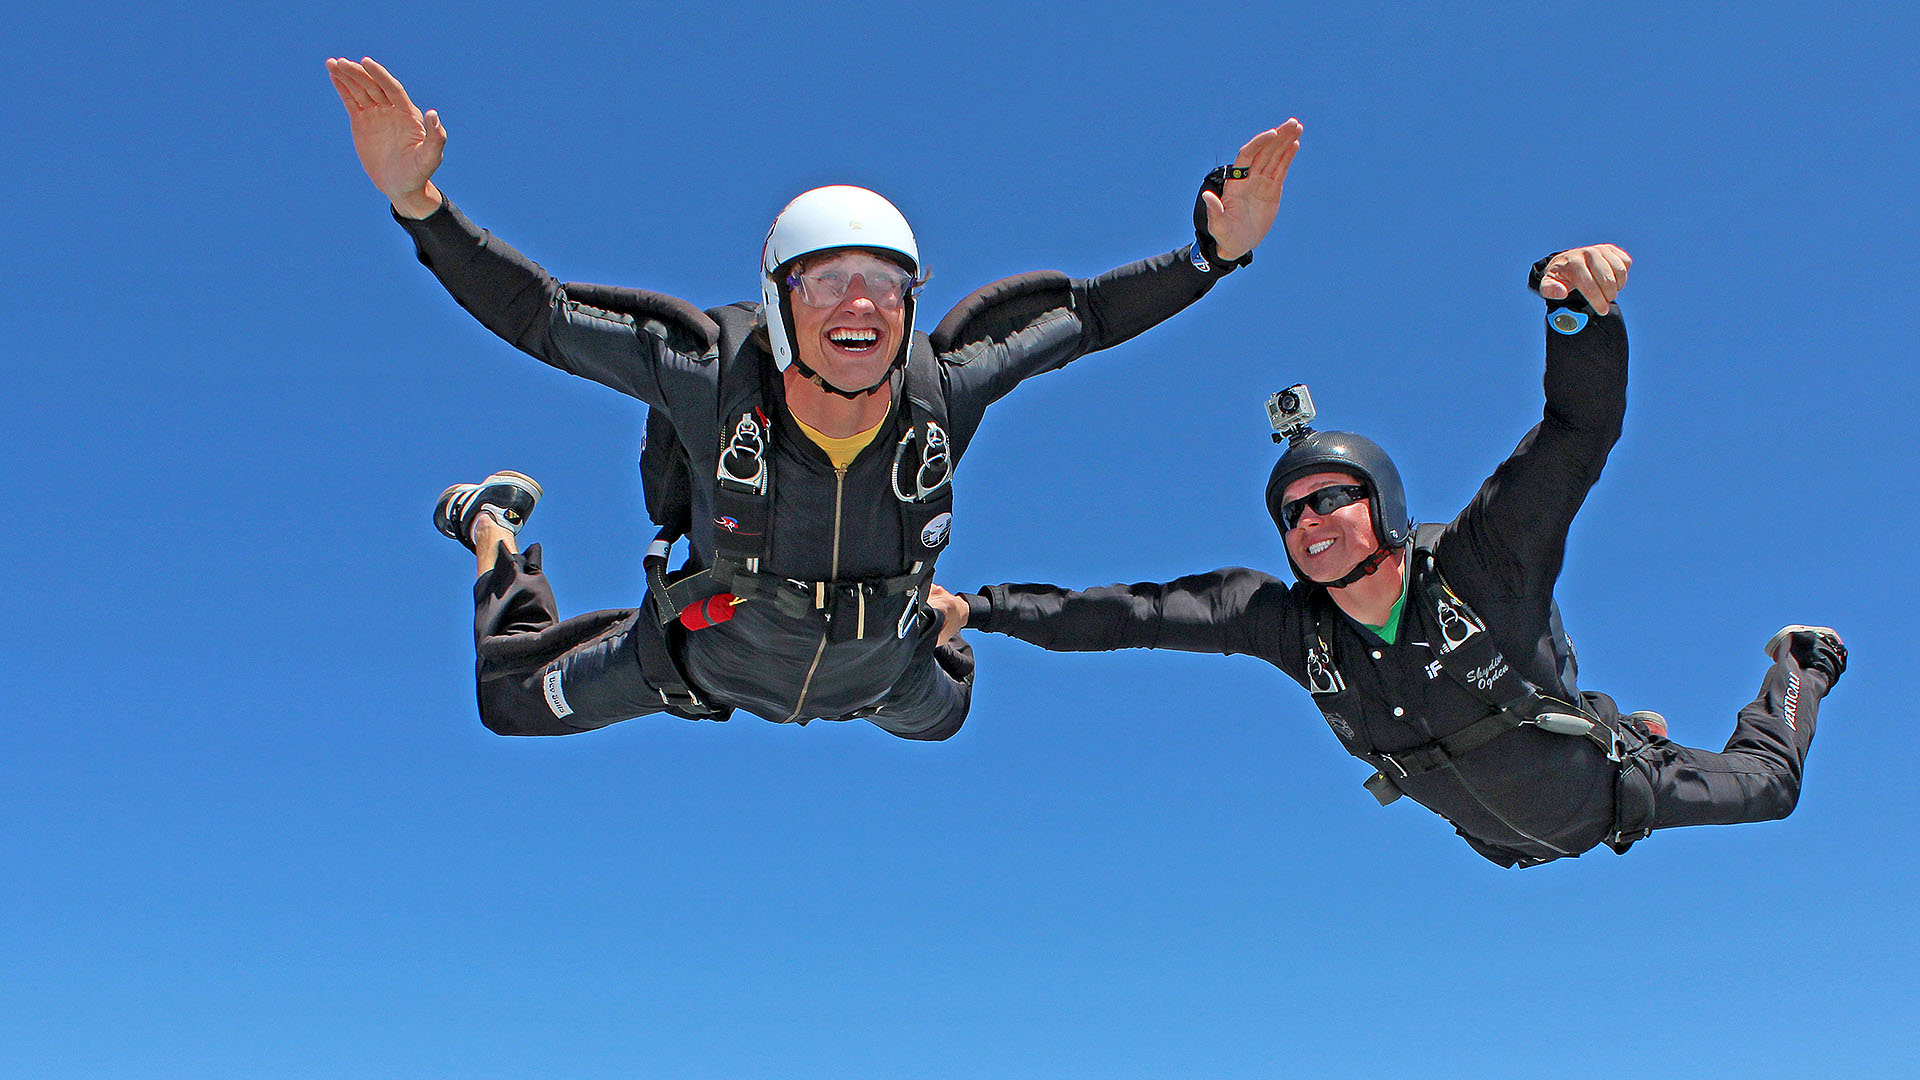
[1290, 411]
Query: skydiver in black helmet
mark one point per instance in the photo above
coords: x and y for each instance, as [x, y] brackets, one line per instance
[820, 428]
[1435, 652]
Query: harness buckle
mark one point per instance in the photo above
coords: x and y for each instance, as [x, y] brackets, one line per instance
[935, 470]
[908, 616]
[743, 461]
[686, 699]
[1420, 759]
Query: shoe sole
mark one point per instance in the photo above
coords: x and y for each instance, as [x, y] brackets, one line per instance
[522, 479]
[448, 522]
[1779, 639]
[1652, 721]
[508, 478]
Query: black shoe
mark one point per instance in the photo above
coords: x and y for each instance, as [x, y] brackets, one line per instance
[1651, 722]
[1814, 648]
[509, 497]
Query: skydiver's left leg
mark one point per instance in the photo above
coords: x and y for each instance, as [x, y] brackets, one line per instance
[1757, 776]
[537, 674]
[930, 701]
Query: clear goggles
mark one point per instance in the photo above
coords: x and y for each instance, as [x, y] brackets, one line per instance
[826, 283]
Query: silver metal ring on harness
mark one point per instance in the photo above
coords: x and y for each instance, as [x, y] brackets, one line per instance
[935, 470]
[743, 464]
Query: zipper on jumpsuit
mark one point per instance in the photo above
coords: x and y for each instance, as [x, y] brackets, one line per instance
[839, 487]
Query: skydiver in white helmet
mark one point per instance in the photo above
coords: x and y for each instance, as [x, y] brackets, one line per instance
[809, 443]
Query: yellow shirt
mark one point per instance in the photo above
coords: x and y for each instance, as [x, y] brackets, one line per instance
[840, 451]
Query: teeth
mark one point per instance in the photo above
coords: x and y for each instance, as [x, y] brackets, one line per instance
[854, 339]
[1315, 549]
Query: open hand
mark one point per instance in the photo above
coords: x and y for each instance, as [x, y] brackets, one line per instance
[399, 146]
[1240, 216]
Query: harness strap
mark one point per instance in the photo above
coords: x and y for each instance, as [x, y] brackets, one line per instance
[660, 666]
[673, 595]
[1468, 656]
[1438, 753]
[796, 598]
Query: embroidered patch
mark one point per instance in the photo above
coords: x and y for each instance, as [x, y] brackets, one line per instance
[1792, 705]
[556, 700]
[1494, 671]
[935, 533]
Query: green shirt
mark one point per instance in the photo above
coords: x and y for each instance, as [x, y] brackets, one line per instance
[1391, 629]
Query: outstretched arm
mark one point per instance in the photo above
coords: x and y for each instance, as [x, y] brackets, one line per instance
[1015, 329]
[1238, 218]
[511, 295]
[1516, 527]
[1227, 611]
[399, 146]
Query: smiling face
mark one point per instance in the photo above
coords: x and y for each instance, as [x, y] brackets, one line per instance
[853, 341]
[1326, 546]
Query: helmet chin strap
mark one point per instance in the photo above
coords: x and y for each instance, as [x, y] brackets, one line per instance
[1366, 568]
[815, 378]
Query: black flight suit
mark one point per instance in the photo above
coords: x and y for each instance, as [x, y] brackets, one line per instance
[1529, 795]
[541, 676]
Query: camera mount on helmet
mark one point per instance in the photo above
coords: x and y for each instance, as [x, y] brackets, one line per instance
[1309, 451]
[1290, 411]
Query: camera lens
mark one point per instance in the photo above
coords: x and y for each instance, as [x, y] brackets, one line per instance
[1289, 401]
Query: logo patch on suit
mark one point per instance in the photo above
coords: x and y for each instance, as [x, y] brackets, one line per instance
[556, 699]
[935, 533]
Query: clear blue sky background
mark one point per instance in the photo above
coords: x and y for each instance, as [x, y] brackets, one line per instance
[252, 826]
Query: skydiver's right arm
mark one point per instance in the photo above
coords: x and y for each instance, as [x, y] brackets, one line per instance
[400, 148]
[516, 298]
[1230, 611]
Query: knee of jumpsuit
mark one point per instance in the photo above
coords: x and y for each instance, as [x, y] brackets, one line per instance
[931, 701]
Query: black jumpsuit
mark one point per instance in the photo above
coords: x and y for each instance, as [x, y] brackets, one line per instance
[541, 676]
[1529, 795]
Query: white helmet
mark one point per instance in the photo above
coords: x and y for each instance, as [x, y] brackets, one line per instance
[821, 220]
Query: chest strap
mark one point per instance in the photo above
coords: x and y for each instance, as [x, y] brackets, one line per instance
[746, 479]
[1467, 652]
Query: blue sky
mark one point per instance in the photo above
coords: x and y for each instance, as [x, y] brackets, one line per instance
[253, 827]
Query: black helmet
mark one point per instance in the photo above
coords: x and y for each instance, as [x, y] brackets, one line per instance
[1343, 451]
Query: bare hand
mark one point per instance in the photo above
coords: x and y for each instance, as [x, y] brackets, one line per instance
[953, 613]
[398, 145]
[1598, 273]
[1240, 216]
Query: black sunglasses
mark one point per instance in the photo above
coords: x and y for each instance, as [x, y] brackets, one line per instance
[1323, 501]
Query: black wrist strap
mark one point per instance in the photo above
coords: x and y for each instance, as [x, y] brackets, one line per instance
[1207, 253]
